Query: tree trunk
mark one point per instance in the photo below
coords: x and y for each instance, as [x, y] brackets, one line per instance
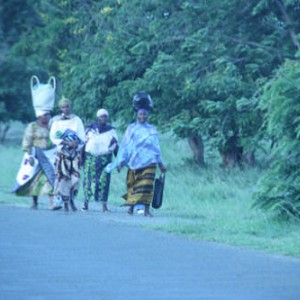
[196, 144]
[3, 133]
[232, 158]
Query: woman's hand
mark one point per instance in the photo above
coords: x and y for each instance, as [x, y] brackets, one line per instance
[31, 160]
[162, 168]
[71, 144]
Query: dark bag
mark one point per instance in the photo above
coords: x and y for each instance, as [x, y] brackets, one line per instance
[158, 191]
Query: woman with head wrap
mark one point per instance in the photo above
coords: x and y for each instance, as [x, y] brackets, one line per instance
[101, 143]
[67, 133]
[140, 153]
[35, 140]
[36, 175]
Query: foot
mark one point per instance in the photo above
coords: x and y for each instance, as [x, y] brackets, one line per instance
[34, 202]
[85, 206]
[56, 207]
[147, 212]
[72, 204]
[66, 207]
[130, 210]
[105, 208]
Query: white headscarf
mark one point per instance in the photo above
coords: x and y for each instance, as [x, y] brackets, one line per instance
[102, 112]
[40, 113]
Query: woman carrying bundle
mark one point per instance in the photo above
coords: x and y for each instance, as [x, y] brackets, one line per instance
[140, 153]
[101, 143]
[67, 133]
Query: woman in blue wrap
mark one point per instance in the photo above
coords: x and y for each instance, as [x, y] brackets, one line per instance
[140, 153]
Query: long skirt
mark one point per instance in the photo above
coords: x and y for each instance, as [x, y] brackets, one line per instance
[96, 182]
[67, 175]
[140, 185]
[37, 186]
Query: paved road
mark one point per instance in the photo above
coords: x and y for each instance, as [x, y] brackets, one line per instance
[50, 255]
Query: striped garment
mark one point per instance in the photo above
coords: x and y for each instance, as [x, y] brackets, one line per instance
[140, 185]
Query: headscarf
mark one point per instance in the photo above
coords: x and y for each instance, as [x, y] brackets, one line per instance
[40, 113]
[64, 101]
[102, 112]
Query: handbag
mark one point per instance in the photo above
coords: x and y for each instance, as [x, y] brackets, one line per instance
[158, 191]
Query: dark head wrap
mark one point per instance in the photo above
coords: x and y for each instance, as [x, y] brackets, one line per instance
[142, 100]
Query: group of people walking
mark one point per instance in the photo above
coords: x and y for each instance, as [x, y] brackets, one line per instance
[91, 148]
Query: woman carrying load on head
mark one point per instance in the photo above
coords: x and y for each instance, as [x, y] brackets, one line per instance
[67, 133]
[140, 153]
[35, 140]
[101, 143]
[36, 175]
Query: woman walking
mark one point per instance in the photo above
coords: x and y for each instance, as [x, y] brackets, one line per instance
[35, 141]
[67, 133]
[140, 153]
[101, 143]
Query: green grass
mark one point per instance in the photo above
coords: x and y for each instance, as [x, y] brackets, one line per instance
[210, 204]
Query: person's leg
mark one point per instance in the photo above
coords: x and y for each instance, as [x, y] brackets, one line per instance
[73, 195]
[34, 202]
[56, 204]
[130, 210]
[104, 189]
[147, 211]
[130, 181]
[51, 201]
[66, 203]
[87, 182]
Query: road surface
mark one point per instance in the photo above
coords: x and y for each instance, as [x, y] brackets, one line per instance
[51, 255]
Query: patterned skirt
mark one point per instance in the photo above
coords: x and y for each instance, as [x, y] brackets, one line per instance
[37, 186]
[96, 182]
[67, 175]
[140, 185]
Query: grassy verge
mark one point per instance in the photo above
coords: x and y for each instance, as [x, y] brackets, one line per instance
[209, 204]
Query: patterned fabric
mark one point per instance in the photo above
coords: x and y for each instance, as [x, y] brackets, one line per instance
[67, 167]
[96, 182]
[36, 136]
[59, 126]
[140, 185]
[67, 175]
[27, 180]
[139, 147]
[38, 186]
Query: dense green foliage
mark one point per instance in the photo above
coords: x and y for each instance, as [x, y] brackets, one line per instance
[205, 63]
[281, 100]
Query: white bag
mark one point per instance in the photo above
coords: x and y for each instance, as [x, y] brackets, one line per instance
[26, 171]
[43, 95]
[99, 143]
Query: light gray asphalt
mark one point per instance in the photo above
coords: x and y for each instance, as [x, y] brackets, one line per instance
[50, 255]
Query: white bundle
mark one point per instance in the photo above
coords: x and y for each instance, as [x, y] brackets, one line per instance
[43, 95]
[99, 143]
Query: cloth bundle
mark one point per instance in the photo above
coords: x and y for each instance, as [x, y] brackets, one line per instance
[101, 143]
[43, 95]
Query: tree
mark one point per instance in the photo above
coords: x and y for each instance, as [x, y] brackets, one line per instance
[280, 187]
[203, 62]
[16, 18]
